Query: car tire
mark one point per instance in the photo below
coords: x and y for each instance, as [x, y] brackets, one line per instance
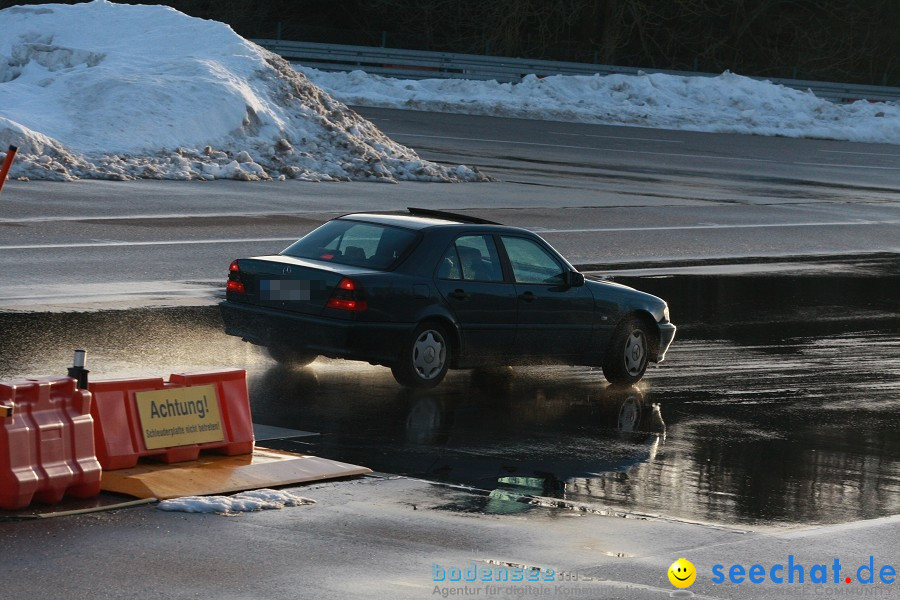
[290, 358]
[425, 357]
[628, 352]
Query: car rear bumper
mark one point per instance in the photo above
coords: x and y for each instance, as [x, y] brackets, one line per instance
[336, 338]
[666, 335]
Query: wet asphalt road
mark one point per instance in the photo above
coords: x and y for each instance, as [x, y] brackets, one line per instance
[780, 396]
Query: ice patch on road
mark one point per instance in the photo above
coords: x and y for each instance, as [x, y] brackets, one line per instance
[254, 500]
[113, 91]
[728, 103]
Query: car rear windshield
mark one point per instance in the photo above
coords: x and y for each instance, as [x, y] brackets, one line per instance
[354, 243]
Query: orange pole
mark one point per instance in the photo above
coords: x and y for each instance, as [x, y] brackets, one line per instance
[10, 155]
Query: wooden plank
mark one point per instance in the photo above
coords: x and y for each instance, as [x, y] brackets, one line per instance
[215, 474]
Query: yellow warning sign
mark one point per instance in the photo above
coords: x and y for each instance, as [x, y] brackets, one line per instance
[179, 416]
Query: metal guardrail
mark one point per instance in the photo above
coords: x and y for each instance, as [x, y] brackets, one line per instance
[420, 64]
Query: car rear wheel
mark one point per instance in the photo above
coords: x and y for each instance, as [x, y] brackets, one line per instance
[288, 357]
[425, 357]
[628, 352]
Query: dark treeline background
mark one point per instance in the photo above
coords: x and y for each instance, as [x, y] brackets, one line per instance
[837, 40]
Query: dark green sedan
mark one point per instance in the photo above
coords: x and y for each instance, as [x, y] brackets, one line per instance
[429, 291]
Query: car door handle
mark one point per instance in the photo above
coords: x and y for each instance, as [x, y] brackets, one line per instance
[458, 295]
[527, 296]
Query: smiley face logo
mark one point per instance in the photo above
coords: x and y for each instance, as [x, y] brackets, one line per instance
[682, 573]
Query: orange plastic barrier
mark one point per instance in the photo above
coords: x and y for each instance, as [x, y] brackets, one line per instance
[171, 421]
[46, 442]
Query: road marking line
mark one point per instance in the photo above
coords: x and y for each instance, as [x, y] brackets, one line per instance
[619, 137]
[712, 226]
[810, 164]
[594, 148]
[866, 153]
[149, 243]
[211, 215]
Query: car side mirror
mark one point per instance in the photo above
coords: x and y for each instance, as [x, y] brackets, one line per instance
[573, 279]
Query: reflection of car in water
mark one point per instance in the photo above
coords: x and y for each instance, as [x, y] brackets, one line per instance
[430, 291]
[616, 414]
[615, 410]
[518, 433]
[637, 417]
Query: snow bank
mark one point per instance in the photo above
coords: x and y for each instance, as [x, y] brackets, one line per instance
[727, 103]
[115, 91]
[264, 499]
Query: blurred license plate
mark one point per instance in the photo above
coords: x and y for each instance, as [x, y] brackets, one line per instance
[284, 289]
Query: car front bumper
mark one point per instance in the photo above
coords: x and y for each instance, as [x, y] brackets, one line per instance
[666, 335]
[335, 338]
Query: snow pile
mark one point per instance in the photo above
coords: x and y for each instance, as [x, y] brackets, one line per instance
[253, 500]
[727, 103]
[116, 91]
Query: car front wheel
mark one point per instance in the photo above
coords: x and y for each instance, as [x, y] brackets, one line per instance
[425, 357]
[628, 353]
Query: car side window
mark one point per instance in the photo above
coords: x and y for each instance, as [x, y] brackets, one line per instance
[531, 263]
[471, 258]
[448, 268]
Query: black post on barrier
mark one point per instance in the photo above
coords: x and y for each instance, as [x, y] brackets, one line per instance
[77, 370]
[7, 163]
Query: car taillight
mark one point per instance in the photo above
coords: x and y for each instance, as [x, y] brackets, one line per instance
[348, 295]
[234, 279]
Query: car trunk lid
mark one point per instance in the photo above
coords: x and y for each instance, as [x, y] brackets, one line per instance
[292, 284]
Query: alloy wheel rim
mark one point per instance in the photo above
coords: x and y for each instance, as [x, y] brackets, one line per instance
[429, 354]
[635, 352]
